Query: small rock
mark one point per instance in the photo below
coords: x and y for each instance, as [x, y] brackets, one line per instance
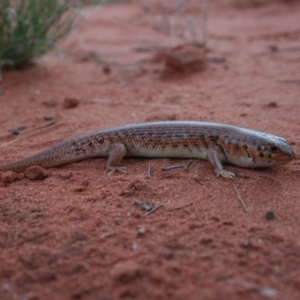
[70, 103]
[138, 185]
[125, 270]
[79, 189]
[142, 230]
[35, 173]
[9, 176]
[106, 69]
[270, 215]
[184, 59]
[271, 104]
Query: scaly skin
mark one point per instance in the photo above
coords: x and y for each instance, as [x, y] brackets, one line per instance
[218, 143]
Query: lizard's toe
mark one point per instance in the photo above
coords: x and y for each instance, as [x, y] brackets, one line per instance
[112, 169]
[225, 174]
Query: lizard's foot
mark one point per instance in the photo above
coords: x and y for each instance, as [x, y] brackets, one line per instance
[224, 174]
[112, 169]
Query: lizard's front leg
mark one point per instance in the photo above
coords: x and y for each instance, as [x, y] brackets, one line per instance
[116, 152]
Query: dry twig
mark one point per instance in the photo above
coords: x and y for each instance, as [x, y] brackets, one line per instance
[21, 130]
[185, 166]
[149, 208]
[240, 199]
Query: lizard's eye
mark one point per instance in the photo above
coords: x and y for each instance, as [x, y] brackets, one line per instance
[273, 148]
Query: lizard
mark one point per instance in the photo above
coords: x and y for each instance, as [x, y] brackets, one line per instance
[215, 142]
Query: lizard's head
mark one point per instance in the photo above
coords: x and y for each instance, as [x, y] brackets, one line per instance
[270, 150]
[262, 150]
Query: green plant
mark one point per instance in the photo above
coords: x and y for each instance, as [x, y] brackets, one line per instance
[29, 28]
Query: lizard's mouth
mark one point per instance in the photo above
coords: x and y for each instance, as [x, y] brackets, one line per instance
[284, 159]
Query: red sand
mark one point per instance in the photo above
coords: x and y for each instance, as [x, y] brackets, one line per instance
[77, 234]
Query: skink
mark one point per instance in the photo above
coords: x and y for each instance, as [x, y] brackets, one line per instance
[218, 143]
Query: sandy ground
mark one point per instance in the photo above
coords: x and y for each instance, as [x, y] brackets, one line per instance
[77, 234]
